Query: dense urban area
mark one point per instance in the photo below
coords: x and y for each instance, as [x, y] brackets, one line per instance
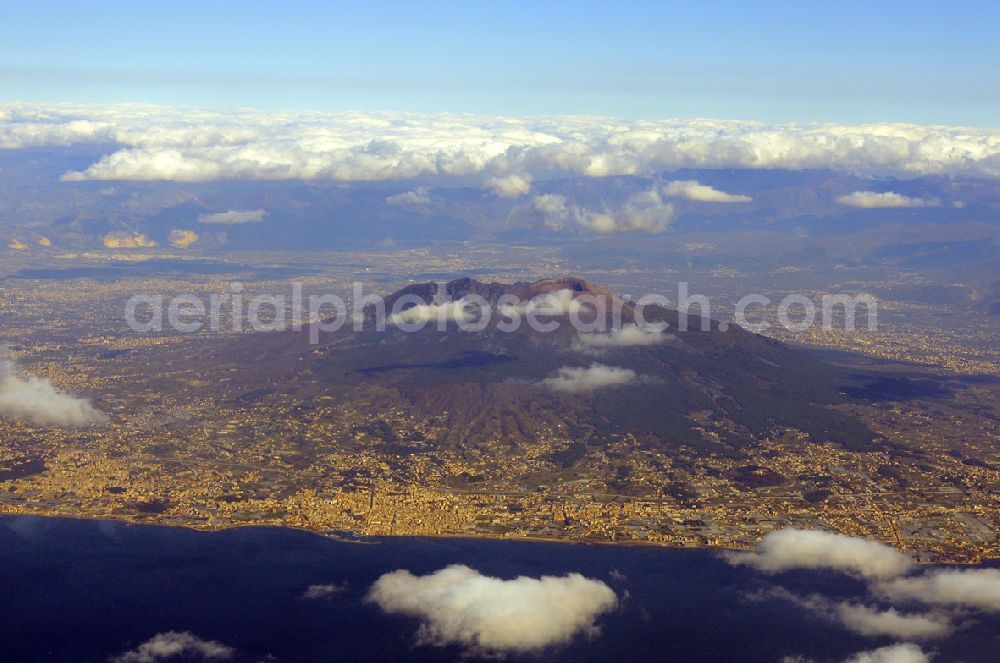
[174, 453]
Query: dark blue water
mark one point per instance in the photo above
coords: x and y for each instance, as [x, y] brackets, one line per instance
[86, 591]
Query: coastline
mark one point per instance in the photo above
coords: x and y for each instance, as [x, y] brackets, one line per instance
[358, 539]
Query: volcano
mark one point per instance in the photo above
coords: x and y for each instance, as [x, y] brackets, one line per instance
[591, 373]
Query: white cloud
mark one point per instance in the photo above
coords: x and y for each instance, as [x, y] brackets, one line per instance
[181, 239]
[458, 605]
[560, 302]
[173, 643]
[866, 620]
[155, 142]
[900, 653]
[418, 197]
[461, 310]
[233, 217]
[318, 592]
[625, 336]
[125, 240]
[573, 379]
[35, 400]
[973, 588]
[509, 186]
[872, 621]
[810, 549]
[875, 200]
[644, 211]
[693, 190]
[553, 210]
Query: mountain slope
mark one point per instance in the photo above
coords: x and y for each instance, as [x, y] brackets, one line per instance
[716, 389]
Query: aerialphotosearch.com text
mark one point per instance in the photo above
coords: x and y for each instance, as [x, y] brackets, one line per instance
[319, 314]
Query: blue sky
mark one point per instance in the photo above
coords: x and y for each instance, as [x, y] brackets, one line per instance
[927, 62]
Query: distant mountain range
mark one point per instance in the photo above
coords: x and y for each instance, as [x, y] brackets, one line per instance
[41, 213]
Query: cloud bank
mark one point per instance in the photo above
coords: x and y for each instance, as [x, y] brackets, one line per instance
[694, 190]
[187, 144]
[572, 379]
[35, 400]
[810, 549]
[887, 199]
[173, 643]
[458, 605]
[233, 217]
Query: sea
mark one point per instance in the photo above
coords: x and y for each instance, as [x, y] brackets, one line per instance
[79, 590]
